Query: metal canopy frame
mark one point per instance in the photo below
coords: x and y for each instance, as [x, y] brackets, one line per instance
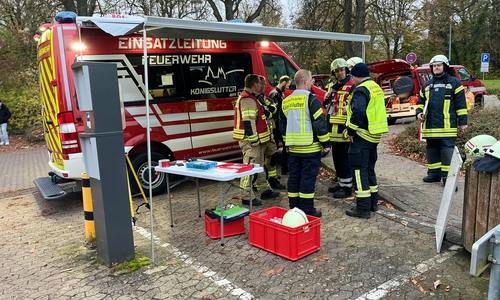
[189, 29]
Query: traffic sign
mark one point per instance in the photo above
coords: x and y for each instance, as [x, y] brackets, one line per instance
[412, 57]
[485, 58]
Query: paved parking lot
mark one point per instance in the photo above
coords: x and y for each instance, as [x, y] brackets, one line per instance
[390, 256]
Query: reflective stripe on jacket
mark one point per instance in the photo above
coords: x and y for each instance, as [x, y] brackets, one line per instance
[446, 107]
[366, 112]
[340, 99]
[248, 108]
[305, 128]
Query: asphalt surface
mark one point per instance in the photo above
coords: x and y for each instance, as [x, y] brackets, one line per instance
[390, 256]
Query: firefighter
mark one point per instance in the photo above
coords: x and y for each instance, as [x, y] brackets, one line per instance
[469, 98]
[271, 155]
[277, 96]
[252, 133]
[442, 108]
[336, 102]
[305, 132]
[366, 121]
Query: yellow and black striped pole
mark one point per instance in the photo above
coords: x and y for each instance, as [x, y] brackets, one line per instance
[88, 209]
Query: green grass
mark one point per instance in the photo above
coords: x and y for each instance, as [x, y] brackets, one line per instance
[492, 86]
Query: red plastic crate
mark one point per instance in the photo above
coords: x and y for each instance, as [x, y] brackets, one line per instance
[292, 243]
[212, 227]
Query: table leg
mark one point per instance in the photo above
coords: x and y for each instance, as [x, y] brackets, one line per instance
[221, 215]
[251, 191]
[198, 191]
[169, 201]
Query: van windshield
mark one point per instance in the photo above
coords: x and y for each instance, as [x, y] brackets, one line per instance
[277, 66]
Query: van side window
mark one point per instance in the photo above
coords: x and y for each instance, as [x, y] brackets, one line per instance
[277, 66]
[194, 76]
[216, 76]
[464, 74]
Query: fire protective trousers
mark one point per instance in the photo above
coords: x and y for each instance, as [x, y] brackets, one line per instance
[302, 180]
[363, 157]
[439, 154]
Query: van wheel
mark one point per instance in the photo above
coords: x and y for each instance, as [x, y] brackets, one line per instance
[391, 121]
[140, 164]
[478, 101]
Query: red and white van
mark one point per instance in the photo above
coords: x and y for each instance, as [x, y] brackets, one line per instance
[193, 84]
[402, 82]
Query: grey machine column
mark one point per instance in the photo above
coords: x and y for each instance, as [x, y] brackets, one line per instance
[103, 153]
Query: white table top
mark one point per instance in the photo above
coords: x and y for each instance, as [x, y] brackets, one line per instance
[211, 174]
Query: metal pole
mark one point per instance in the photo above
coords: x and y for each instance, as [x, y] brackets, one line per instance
[494, 288]
[148, 137]
[449, 45]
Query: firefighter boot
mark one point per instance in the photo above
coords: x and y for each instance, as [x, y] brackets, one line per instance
[294, 202]
[432, 178]
[269, 194]
[343, 192]
[255, 202]
[307, 206]
[334, 188]
[275, 184]
[374, 206]
[358, 213]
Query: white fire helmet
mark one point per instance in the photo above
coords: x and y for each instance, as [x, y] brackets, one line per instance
[353, 60]
[494, 150]
[479, 144]
[294, 217]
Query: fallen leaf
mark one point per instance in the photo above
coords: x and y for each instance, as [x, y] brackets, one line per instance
[250, 259]
[344, 218]
[389, 206]
[437, 283]
[171, 263]
[270, 272]
[32, 250]
[279, 270]
[447, 289]
[323, 257]
[394, 217]
[303, 292]
[321, 270]
[414, 281]
[421, 278]
[420, 244]
[340, 268]
[422, 289]
[405, 223]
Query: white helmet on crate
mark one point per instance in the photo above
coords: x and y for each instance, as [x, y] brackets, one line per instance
[479, 144]
[294, 217]
[494, 150]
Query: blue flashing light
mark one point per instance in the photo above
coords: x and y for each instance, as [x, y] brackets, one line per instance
[66, 17]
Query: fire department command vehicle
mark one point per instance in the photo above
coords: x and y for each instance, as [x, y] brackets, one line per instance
[192, 86]
[401, 84]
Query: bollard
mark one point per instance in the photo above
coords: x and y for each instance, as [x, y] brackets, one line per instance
[88, 210]
[494, 288]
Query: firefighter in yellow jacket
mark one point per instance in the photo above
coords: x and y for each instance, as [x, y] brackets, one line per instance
[305, 131]
[252, 133]
[366, 122]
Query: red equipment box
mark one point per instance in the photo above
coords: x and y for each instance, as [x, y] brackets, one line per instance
[236, 167]
[212, 227]
[292, 243]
